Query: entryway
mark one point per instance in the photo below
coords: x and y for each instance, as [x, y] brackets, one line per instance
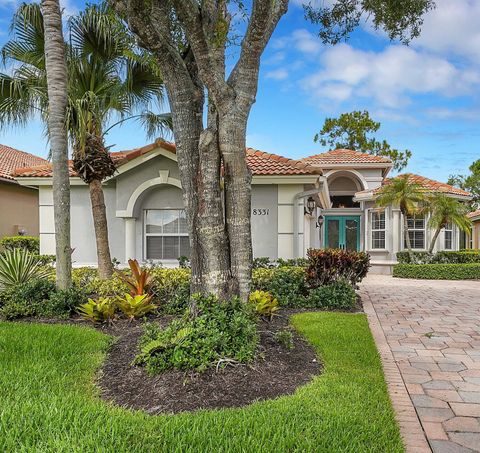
[342, 232]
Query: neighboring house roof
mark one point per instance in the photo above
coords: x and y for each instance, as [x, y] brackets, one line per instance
[260, 163]
[345, 157]
[429, 185]
[12, 159]
[475, 215]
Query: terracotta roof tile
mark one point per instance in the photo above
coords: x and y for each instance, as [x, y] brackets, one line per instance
[11, 159]
[259, 162]
[344, 156]
[430, 185]
[474, 214]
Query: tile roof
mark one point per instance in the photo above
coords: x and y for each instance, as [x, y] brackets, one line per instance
[429, 185]
[474, 214]
[259, 162]
[345, 156]
[11, 159]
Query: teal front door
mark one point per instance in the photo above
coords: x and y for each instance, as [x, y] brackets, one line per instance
[342, 232]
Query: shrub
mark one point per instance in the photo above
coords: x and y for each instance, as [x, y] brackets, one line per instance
[135, 306]
[18, 266]
[112, 287]
[462, 257]
[98, 311]
[336, 295]
[29, 243]
[262, 262]
[222, 331]
[286, 284]
[329, 265]
[284, 337]
[62, 303]
[264, 303]
[292, 262]
[171, 288]
[184, 262]
[467, 271]
[419, 257]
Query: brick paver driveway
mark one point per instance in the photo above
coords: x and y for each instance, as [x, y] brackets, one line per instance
[433, 332]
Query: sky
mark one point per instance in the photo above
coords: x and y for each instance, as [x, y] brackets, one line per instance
[426, 95]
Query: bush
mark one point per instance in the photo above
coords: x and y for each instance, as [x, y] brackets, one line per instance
[462, 257]
[336, 295]
[222, 331]
[467, 271]
[137, 306]
[329, 265]
[419, 257]
[284, 337]
[101, 310]
[286, 284]
[30, 243]
[38, 298]
[264, 303]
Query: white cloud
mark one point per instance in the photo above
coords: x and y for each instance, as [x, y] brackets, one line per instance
[277, 74]
[452, 28]
[390, 77]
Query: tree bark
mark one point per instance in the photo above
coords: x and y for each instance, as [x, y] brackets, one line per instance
[99, 212]
[434, 239]
[56, 69]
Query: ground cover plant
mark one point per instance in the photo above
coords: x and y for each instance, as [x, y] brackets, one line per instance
[55, 406]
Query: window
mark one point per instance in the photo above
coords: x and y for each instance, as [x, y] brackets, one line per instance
[378, 229]
[448, 237]
[166, 236]
[416, 227]
[343, 201]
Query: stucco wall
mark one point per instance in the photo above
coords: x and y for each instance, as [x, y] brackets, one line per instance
[19, 208]
[265, 220]
[82, 232]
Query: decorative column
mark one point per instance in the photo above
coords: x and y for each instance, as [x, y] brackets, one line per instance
[396, 234]
[130, 239]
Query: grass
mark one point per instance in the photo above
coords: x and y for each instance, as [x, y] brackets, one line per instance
[49, 403]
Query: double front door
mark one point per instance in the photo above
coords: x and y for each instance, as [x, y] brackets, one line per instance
[342, 232]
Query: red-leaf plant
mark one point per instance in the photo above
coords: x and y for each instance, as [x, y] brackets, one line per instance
[140, 280]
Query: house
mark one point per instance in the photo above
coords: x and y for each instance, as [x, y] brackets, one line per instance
[19, 203]
[474, 239]
[326, 200]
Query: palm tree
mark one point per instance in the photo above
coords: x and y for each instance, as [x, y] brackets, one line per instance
[108, 77]
[408, 196]
[56, 72]
[445, 210]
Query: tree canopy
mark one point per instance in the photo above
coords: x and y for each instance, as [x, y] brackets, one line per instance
[355, 130]
[470, 183]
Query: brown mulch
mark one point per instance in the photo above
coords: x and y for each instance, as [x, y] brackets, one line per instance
[276, 371]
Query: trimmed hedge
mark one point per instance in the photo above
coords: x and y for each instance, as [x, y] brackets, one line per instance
[31, 243]
[468, 271]
[444, 257]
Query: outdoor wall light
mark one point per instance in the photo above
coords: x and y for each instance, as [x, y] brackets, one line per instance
[320, 221]
[311, 205]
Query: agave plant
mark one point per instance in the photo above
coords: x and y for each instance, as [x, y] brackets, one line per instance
[20, 266]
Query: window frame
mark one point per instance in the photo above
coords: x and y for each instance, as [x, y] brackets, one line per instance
[146, 235]
[373, 230]
[448, 229]
[413, 230]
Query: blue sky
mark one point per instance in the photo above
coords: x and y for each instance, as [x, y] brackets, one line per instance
[426, 95]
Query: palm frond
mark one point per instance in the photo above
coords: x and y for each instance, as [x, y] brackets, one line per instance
[156, 125]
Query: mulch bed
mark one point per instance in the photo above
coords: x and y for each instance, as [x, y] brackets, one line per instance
[276, 371]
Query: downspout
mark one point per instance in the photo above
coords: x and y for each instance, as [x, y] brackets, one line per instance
[297, 197]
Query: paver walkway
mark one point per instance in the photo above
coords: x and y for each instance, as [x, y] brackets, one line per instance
[432, 333]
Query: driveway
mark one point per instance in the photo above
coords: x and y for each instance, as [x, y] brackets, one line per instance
[428, 334]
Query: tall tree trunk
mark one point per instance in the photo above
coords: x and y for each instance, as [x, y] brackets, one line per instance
[56, 68]
[237, 197]
[434, 240]
[406, 234]
[99, 212]
[199, 164]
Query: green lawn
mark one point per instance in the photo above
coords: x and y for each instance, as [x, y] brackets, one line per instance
[48, 400]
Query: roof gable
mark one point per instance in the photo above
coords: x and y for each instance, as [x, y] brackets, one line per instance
[11, 159]
[346, 157]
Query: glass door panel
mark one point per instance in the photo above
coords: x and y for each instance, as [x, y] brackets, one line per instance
[333, 233]
[351, 234]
